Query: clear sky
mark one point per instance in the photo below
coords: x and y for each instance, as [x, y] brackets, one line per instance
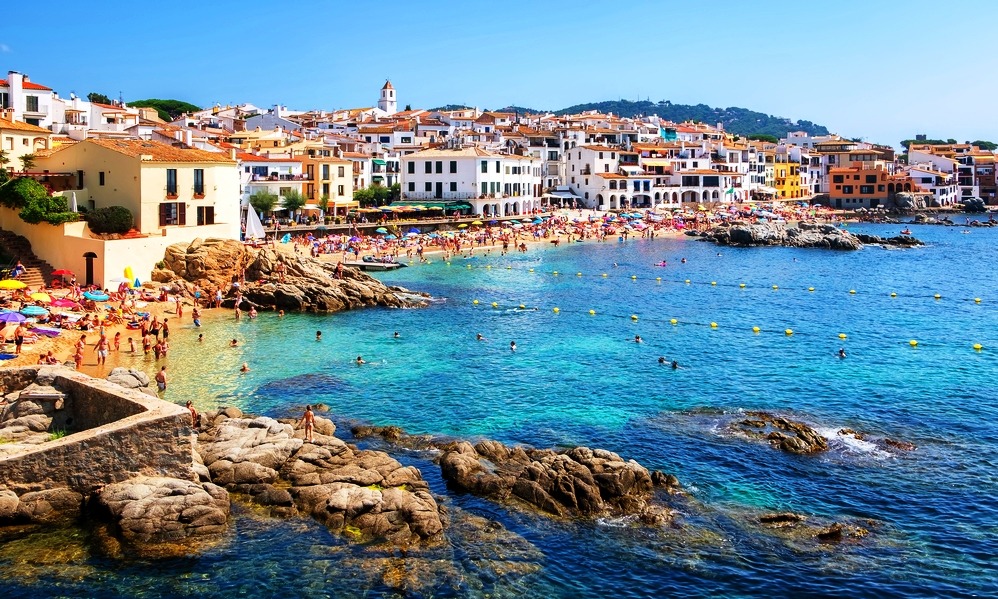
[882, 70]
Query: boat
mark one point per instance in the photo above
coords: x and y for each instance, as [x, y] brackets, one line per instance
[906, 231]
[254, 228]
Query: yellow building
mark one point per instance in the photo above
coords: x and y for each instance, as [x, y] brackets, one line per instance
[162, 185]
[786, 176]
[328, 175]
[20, 139]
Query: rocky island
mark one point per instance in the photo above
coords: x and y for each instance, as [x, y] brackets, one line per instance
[805, 235]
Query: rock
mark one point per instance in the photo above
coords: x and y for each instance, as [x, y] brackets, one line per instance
[159, 517]
[579, 482]
[309, 284]
[806, 235]
[8, 506]
[974, 205]
[50, 506]
[789, 435]
[782, 519]
[244, 451]
[900, 445]
[129, 378]
[832, 533]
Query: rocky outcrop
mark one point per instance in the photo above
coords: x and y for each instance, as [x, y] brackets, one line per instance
[161, 517]
[130, 378]
[49, 506]
[29, 415]
[308, 284]
[365, 494]
[907, 201]
[580, 482]
[805, 235]
[789, 435]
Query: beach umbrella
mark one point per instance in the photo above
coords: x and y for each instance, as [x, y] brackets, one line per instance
[433, 236]
[517, 226]
[62, 272]
[390, 237]
[12, 317]
[381, 230]
[493, 222]
[463, 226]
[12, 284]
[34, 311]
[354, 239]
[412, 234]
[63, 303]
[537, 221]
[478, 223]
[44, 298]
[414, 230]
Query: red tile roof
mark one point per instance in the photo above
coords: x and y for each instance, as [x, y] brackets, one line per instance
[27, 85]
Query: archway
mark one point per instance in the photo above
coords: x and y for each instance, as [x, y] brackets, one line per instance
[89, 278]
[675, 197]
[613, 203]
[706, 196]
[599, 201]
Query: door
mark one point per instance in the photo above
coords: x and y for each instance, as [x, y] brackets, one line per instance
[89, 256]
[440, 190]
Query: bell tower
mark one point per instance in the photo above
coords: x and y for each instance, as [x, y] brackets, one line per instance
[388, 102]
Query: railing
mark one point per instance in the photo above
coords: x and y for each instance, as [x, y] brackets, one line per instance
[264, 179]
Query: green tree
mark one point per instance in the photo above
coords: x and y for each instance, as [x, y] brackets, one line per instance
[4, 158]
[110, 219]
[395, 192]
[263, 201]
[34, 203]
[766, 138]
[323, 203]
[18, 193]
[27, 162]
[168, 110]
[99, 98]
[365, 197]
[293, 201]
[989, 146]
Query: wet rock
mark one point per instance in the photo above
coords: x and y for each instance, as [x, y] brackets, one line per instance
[899, 445]
[806, 235]
[789, 435]
[159, 517]
[580, 482]
[782, 519]
[49, 506]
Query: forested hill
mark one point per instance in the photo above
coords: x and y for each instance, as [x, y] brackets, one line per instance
[735, 120]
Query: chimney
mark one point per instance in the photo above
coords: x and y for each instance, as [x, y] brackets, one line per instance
[189, 137]
[232, 153]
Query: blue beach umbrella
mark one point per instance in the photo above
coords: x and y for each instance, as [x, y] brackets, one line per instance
[414, 230]
[381, 230]
[390, 237]
[34, 311]
[12, 317]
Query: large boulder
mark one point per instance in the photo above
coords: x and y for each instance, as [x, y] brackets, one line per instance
[806, 235]
[161, 517]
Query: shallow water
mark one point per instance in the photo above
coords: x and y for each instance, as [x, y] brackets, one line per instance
[578, 378]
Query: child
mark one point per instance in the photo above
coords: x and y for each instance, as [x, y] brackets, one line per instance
[131, 345]
[117, 340]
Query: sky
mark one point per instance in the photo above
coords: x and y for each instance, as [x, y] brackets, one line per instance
[881, 70]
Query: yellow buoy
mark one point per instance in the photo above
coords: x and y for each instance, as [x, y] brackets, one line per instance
[522, 307]
[531, 270]
[508, 267]
[789, 332]
[673, 322]
[578, 274]
[913, 343]
[555, 273]
[495, 304]
[634, 316]
[893, 294]
[556, 310]
[742, 285]
[604, 275]
[487, 266]
[937, 296]
[713, 283]
[756, 329]
[634, 276]
[469, 266]
[475, 302]
[448, 264]
[713, 325]
[842, 335]
[810, 288]
[592, 312]
[776, 286]
[687, 281]
[852, 291]
[978, 347]
[658, 279]
[977, 300]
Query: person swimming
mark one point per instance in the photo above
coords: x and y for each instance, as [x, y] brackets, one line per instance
[683, 260]
[675, 365]
[478, 337]
[396, 335]
[244, 367]
[842, 352]
[318, 335]
[512, 346]
[360, 360]
[637, 339]
[661, 359]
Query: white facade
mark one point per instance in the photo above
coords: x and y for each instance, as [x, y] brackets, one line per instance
[31, 102]
[388, 101]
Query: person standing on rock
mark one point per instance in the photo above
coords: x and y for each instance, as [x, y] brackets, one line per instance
[308, 420]
[195, 417]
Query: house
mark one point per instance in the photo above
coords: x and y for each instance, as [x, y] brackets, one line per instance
[18, 139]
[327, 175]
[31, 102]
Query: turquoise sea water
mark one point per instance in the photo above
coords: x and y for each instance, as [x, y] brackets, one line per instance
[579, 378]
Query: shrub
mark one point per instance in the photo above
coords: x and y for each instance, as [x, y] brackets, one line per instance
[16, 194]
[113, 219]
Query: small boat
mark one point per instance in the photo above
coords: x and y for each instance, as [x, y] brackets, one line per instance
[906, 231]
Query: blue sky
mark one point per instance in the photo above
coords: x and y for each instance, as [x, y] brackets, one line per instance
[880, 70]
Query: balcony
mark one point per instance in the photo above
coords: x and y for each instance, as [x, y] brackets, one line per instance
[445, 195]
[289, 177]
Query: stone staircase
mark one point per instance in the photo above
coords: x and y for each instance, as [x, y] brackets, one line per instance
[37, 271]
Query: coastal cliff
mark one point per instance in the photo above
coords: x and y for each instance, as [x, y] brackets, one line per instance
[805, 235]
[307, 284]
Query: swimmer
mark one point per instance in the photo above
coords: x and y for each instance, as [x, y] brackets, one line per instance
[478, 337]
[244, 368]
[280, 314]
[512, 346]
[675, 365]
[200, 338]
[234, 343]
[615, 265]
[318, 335]
[842, 352]
[683, 260]
[360, 360]
[396, 335]
[661, 359]
[637, 338]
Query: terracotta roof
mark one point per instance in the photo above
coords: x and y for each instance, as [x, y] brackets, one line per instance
[387, 85]
[20, 126]
[27, 85]
[160, 152]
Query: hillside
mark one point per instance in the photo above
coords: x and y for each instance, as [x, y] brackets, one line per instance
[735, 120]
[168, 109]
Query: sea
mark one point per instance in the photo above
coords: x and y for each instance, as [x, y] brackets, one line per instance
[752, 329]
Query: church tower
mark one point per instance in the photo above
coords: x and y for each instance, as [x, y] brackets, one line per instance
[388, 101]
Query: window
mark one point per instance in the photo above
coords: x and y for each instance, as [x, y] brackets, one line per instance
[406, 140]
[412, 184]
[866, 189]
[411, 168]
[100, 177]
[340, 171]
[453, 166]
[31, 103]
[199, 182]
[385, 139]
[325, 189]
[339, 190]
[206, 215]
[498, 168]
[485, 188]
[601, 155]
[485, 166]
[837, 178]
[453, 185]
[613, 184]
[880, 188]
[440, 166]
[871, 178]
[428, 167]
[171, 182]
[4, 100]
[847, 189]
[325, 172]
[172, 213]
[429, 186]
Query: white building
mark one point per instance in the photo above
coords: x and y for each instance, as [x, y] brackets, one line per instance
[492, 184]
[31, 102]
[388, 102]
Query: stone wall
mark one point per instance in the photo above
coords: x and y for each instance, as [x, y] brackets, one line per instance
[128, 434]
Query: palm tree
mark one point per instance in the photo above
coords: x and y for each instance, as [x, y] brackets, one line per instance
[27, 162]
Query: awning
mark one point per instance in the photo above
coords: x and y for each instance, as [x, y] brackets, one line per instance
[632, 170]
[767, 190]
[446, 205]
[378, 161]
[561, 195]
[656, 162]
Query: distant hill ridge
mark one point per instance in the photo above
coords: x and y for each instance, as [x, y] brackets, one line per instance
[741, 121]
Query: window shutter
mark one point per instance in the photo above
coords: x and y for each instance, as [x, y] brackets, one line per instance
[181, 213]
[164, 213]
[209, 215]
